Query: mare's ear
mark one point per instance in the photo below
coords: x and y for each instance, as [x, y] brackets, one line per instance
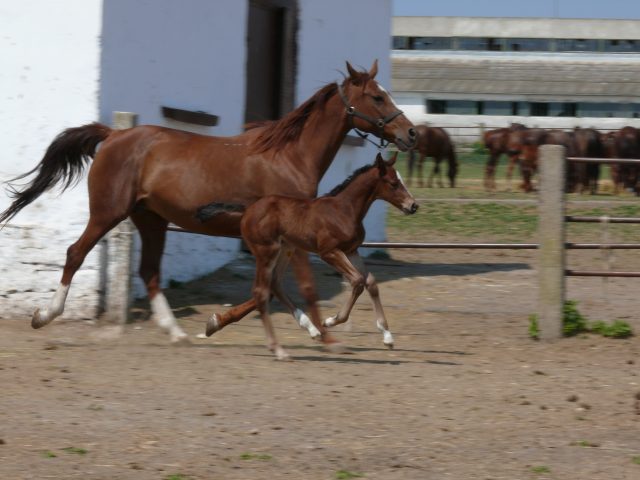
[392, 160]
[354, 75]
[374, 69]
[380, 163]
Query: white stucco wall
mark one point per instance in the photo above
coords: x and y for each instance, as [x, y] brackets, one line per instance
[61, 70]
[48, 82]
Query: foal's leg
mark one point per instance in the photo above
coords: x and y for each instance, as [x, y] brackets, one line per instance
[276, 287]
[338, 260]
[372, 288]
[100, 222]
[219, 321]
[153, 232]
[266, 259]
[419, 170]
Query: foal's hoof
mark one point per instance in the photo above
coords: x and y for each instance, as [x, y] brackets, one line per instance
[180, 340]
[37, 321]
[329, 322]
[213, 325]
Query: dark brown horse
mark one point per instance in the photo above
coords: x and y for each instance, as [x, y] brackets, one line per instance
[156, 175]
[529, 147]
[583, 177]
[433, 142]
[497, 143]
[624, 143]
[330, 226]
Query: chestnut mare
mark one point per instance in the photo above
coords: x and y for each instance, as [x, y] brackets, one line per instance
[497, 143]
[330, 226]
[157, 175]
[433, 142]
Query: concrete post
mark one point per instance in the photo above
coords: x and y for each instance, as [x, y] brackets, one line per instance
[116, 254]
[551, 233]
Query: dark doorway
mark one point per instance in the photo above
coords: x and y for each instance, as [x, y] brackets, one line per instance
[270, 59]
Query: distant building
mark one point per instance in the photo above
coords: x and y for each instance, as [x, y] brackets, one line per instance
[547, 72]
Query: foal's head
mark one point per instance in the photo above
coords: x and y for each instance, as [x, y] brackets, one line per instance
[391, 188]
[372, 109]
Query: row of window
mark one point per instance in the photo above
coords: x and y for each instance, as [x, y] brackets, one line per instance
[534, 109]
[516, 44]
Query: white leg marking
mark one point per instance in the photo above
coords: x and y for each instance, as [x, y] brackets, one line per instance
[305, 322]
[281, 353]
[55, 308]
[387, 338]
[165, 319]
[330, 322]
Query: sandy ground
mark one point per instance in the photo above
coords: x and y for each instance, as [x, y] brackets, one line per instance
[466, 394]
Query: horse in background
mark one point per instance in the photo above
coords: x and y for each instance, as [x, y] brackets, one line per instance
[583, 177]
[433, 142]
[624, 143]
[496, 142]
[331, 226]
[157, 175]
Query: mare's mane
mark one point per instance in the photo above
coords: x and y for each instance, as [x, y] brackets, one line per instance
[277, 134]
[336, 190]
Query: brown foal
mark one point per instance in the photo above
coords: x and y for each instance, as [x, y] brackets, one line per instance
[157, 175]
[330, 226]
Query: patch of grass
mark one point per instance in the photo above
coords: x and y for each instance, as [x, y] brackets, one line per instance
[255, 456]
[534, 328]
[76, 450]
[573, 322]
[175, 283]
[49, 454]
[540, 469]
[379, 255]
[636, 459]
[176, 476]
[585, 443]
[617, 329]
[346, 474]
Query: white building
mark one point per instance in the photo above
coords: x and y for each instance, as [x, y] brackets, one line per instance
[70, 62]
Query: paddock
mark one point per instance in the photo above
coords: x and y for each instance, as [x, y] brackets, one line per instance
[465, 394]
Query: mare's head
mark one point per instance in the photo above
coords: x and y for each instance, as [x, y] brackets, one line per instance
[371, 108]
[391, 188]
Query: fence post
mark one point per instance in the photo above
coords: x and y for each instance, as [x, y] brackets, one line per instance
[551, 233]
[116, 254]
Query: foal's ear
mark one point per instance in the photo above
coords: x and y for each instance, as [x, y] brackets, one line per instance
[374, 69]
[381, 164]
[392, 160]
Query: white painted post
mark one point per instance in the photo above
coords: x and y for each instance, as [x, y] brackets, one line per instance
[551, 233]
[117, 253]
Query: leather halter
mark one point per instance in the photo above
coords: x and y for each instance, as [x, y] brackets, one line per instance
[378, 122]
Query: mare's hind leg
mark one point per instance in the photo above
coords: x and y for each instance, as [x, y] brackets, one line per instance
[153, 232]
[96, 228]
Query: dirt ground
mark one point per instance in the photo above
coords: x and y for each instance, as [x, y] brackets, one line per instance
[466, 394]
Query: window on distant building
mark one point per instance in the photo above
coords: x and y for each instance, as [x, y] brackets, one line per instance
[576, 45]
[431, 43]
[528, 44]
[631, 46]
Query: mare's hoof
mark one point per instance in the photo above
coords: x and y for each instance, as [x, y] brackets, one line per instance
[389, 346]
[329, 322]
[36, 320]
[213, 325]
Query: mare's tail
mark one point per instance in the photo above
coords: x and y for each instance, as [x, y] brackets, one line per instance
[63, 161]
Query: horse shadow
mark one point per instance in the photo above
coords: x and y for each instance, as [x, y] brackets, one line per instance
[232, 284]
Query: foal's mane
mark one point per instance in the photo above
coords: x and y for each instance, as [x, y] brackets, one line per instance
[277, 134]
[336, 190]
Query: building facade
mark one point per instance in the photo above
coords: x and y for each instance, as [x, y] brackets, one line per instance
[464, 72]
[63, 70]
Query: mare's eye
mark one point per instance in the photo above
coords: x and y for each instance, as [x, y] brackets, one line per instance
[395, 185]
[378, 98]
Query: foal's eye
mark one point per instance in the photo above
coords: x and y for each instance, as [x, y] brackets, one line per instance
[378, 98]
[395, 185]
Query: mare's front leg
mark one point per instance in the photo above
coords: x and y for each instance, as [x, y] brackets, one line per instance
[372, 289]
[153, 232]
[338, 260]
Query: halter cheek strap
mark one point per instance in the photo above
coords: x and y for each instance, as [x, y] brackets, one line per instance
[378, 122]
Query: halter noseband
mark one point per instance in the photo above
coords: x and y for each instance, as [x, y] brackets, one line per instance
[378, 122]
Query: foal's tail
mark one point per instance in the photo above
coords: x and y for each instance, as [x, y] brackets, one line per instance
[63, 161]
